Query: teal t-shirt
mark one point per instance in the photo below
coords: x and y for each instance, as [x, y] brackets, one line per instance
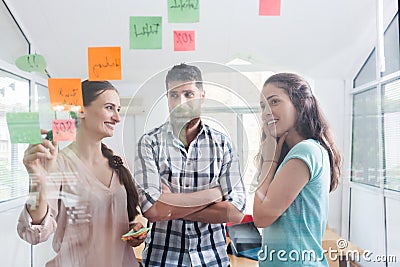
[294, 239]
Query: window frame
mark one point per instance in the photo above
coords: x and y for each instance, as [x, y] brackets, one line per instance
[378, 82]
[32, 79]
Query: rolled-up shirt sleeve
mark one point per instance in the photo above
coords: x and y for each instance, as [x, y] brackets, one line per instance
[231, 181]
[35, 233]
[146, 173]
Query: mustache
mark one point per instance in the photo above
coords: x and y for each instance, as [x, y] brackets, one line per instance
[182, 109]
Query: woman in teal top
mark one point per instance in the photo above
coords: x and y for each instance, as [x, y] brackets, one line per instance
[299, 165]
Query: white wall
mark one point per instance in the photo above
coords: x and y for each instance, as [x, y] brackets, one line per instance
[14, 251]
[331, 96]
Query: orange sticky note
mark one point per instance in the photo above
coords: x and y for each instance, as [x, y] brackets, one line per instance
[269, 8]
[104, 63]
[65, 94]
[184, 41]
[63, 130]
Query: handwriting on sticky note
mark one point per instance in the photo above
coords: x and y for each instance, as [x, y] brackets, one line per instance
[269, 8]
[104, 63]
[24, 127]
[63, 130]
[145, 32]
[65, 94]
[183, 11]
[184, 41]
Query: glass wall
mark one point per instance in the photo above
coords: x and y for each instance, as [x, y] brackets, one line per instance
[375, 158]
[14, 97]
[392, 47]
[391, 130]
[365, 147]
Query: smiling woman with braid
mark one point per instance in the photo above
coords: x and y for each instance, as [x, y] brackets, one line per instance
[83, 194]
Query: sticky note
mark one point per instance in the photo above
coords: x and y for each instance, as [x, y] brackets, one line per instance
[63, 130]
[24, 127]
[183, 11]
[184, 41]
[269, 8]
[31, 62]
[145, 32]
[104, 63]
[65, 94]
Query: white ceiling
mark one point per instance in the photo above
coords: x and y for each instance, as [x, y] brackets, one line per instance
[319, 38]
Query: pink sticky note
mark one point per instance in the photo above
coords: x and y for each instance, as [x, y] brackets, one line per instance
[184, 41]
[63, 130]
[269, 8]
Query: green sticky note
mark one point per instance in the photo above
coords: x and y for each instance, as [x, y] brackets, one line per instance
[31, 63]
[183, 11]
[24, 127]
[145, 33]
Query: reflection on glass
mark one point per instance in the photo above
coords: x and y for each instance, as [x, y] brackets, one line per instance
[368, 71]
[391, 123]
[392, 52]
[365, 165]
[243, 127]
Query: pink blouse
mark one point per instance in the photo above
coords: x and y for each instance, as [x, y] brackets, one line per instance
[86, 217]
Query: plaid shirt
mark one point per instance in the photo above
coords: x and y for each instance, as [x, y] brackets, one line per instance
[209, 161]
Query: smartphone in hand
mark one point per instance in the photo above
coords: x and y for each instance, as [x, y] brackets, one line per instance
[133, 233]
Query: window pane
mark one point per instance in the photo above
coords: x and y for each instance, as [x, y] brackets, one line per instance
[243, 127]
[392, 47]
[13, 43]
[391, 124]
[14, 97]
[46, 113]
[365, 164]
[367, 72]
[252, 133]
